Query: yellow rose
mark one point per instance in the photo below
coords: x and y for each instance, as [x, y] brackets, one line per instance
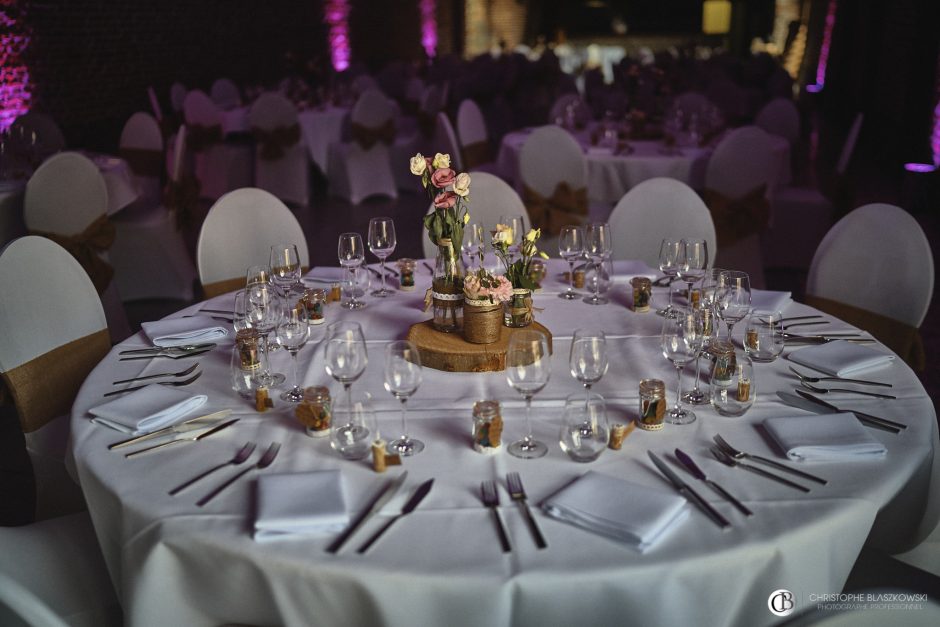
[441, 161]
[503, 234]
[466, 218]
[418, 164]
[533, 234]
[462, 184]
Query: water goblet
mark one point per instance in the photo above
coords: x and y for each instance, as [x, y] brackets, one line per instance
[669, 265]
[346, 356]
[292, 333]
[681, 342]
[351, 255]
[587, 358]
[585, 429]
[285, 266]
[598, 247]
[402, 378]
[692, 262]
[256, 275]
[263, 311]
[732, 297]
[570, 247]
[382, 243]
[528, 368]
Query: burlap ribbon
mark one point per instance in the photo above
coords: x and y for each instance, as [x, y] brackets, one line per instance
[274, 142]
[87, 247]
[736, 218]
[367, 136]
[181, 197]
[475, 154]
[217, 288]
[903, 339]
[565, 206]
[144, 162]
[45, 387]
[199, 137]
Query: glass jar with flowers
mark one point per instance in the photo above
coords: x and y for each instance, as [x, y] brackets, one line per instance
[484, 295]
[449, 192]
[517, 311]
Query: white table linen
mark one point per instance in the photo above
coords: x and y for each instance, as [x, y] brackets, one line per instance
[829, 437]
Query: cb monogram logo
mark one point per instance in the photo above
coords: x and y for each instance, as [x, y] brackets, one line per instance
[781, 602]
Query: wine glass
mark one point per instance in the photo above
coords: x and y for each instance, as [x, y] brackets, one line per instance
[351, 255]
[285, 266]
[733, 297]
[528, 368]
[382, 244]
[292, 333]
[597, 246]
[473, 242]
[706, 308]
[570, 247]
[402, 378]
[516, 224]
[258, 275]
[669, 265]
[588, 357]
[346, 355]
[585, 430]
[263, 310]
[692, 263]
[681, 341]
[354, 429]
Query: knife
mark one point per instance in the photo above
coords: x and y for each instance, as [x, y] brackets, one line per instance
[170, 355]
[186, 438]
[409, 507]
[383, 496]
[689, 494]
[817, 404]
[692, 467]
[160, 349]
[182, 427]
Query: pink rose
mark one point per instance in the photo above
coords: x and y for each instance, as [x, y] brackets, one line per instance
[445, 200]
[443, 177]
[503, 291]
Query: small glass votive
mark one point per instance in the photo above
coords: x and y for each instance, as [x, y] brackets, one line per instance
[246, 362]
[487, 427]
[315, 302]
[537, 272]
[652, 404]
[315, 412]
[406, 269]
[585, 430]
[354, 428]
[763, 336]
[642, 293]
[578, 278]
[734, 395]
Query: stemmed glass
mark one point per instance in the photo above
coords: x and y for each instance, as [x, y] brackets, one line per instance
[473, 242]
[733, 297]
[570, 247]
[285, 266]
[669, 265]
[597, 246]
[706, 308]
[292, 333]
[692, 263]
[587, 359]
[528, 368]
[516, 224]
[351, 255]
[402, 378]
[346, 355]
[681, 341]
[382, 244]
[263, 311]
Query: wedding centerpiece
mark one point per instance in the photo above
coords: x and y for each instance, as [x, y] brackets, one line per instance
[484, 295]
[517, 311]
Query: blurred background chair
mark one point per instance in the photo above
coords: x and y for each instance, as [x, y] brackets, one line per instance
[219, 166]
[225, 93]
[281, 158]
[474, 138]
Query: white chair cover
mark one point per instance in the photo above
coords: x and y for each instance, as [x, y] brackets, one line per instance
[225, 93]
[177, 96]
[471, 127]
[220, 167]
[286, 177]
[239, 231]
[433, 99]
[142, 132]
[656, 209]
[780, 117]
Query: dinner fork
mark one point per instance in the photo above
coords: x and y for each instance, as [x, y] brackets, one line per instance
[517, 492]
[240, 457]
[727, 460]
[813, 388]
[806, 377]
[169, 383]
[181, 373]
[735, 453]
[168, 355]
[490, 496]
[266, 460]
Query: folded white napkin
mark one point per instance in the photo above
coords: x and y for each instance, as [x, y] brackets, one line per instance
[147, 409]
[300, 503]
[769, 300]
[325, 273]
[829, 437]
[624, 270]
[841, 358]
[635, 514]
[183, 331]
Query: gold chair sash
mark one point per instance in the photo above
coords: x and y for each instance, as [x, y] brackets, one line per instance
[182, 197]
[274, 142]
[217, 288]
[736, 218]
[45, 387]
[475, 154]
[86, 248]
[367, 136]
[565, 206]
[144, 162]
[199, 137]
[903, 339]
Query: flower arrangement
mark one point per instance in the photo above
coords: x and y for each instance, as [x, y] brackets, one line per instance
[481, 285]
[450, 193]
[518, 271]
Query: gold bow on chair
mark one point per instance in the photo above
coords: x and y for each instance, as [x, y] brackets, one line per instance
[274, 142]
[736, 218]
[143, 161]
[199, 137]
[367, 136]
[181, 197]
[86, 248]
[565, 206]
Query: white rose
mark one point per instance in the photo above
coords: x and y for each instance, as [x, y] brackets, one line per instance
[441, 161]
[462, 184]
[418, 164]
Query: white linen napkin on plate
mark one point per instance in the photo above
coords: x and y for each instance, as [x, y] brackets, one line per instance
[769, 300]
[840, 358]
[624, 270]
[828, 437]
[183, 331]
[635, 514]
[147, 409]
[326, 273]
[300, 503]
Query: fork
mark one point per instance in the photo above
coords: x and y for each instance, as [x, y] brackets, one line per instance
[170, 383]
[168, 355]
[517, 492]
[727, 460]
[736, 454]
[186, 348]
[240, 457]
[266, 460]
[490, 496]
[813, 388]
[181, 373]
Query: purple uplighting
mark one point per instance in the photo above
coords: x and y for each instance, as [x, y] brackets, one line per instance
[428, 10]
[920, 167]
[14, 75]
[826, 43]
[336, 14]
[935, 136]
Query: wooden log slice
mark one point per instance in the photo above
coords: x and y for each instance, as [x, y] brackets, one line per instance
[451, 353]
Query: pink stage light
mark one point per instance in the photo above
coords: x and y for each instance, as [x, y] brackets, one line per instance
[336, 14]
[826, 43]
[428, 10]
[15, 88]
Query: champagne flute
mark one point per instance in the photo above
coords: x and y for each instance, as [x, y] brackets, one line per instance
[587, 359]
[681, 341]
[263, 310]
[351, 255]
[292, 333]
[733, 297]
[692, 263]
[669, 265]
[570, 248]
[706, 308]
[346, 355]
[528, 368]
[402, 378]
[382, 244]
[597, 246]
[285, 266]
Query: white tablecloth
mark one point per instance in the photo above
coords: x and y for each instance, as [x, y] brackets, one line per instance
[175, 563]
[321, 127]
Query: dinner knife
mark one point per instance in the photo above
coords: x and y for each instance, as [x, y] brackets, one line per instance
[186, 438]
[692, 467]
[383, 496]
[170, 355]
[818, 404]
[160, 349]
[182, 427]
[690, 495]
[409, 507]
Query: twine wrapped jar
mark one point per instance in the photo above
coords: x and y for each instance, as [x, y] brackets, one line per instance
[517, 311]
[482, 321]
[447, 289]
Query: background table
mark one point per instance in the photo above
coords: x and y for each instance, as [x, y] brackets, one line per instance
[321, 127]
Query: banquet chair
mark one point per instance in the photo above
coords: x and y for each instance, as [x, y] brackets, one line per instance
[46, 354]
[780, 117]
[52, 574]
[875, 270]
[149, 254]
[474, 138]
[225, 93]
[363, 83]
[281, 157]
[362, 167]
[219, 166]
[238, 232]
[66, 200]
[656, 209]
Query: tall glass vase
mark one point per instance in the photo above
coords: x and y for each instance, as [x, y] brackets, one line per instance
[447, 288]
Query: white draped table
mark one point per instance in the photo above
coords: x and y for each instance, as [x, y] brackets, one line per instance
[175, 563]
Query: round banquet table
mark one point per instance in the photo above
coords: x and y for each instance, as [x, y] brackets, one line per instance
[321, 127]
[175, 563]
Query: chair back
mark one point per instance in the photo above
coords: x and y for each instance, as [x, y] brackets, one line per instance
[780, 117]
[141, 145]
[742, 161]
[225, 93]
[446, 139]
[433, 99]
[238, 232]
[550, 155]
[471, 130]
[177, 96]
[363, 83]
[656, 209]
[371, 110]
[199, 109]
[49, 138]
[65, 195]
[281, 159]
